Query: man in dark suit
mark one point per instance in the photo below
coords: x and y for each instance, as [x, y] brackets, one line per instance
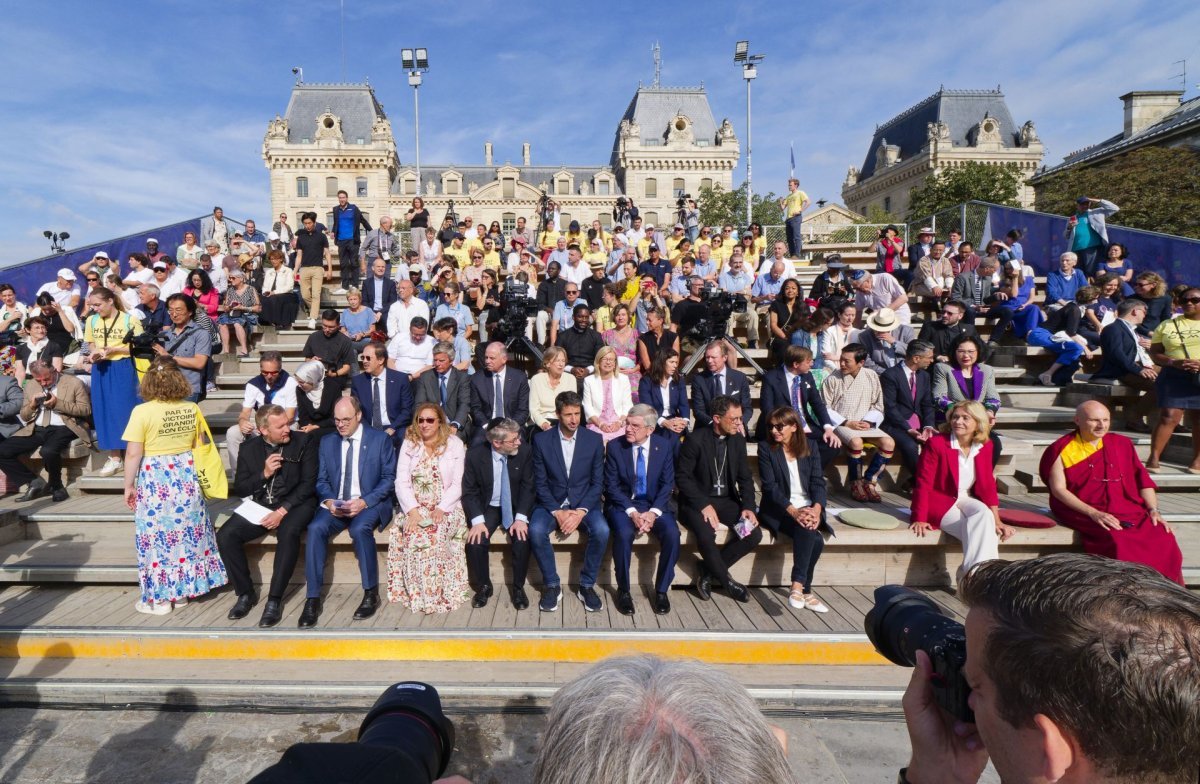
[379, 292]
[943, 332]
[1125, 360]
[277, 470]
[908, 403]
[514, 396]
[717, 379]
[354, 487]
[716, 488]
[383, 393]
[639, 477]
[568, 471]
[498, 491]
[792, 384]
[975, 289]
[448, 387]
[919, 249]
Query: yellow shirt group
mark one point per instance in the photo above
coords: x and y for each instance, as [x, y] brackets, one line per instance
[1177, 334]
[460, 255]
[111, 332]
[163, 428]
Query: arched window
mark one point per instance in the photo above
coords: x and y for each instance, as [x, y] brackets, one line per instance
[331, 187]
[302, 187]
[651, 188]
[360, 186]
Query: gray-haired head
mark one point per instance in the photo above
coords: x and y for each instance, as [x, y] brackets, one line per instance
[657, 721]
[502, 429]
[647, 413]
[444, 347]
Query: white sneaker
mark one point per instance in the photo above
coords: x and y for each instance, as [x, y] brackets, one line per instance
[312, 323]
[338, 291]
[152, 608]
[111, 467]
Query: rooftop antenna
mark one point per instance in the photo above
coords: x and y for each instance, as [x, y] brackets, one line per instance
[342, 33]
[657, 52]
[1182, 75]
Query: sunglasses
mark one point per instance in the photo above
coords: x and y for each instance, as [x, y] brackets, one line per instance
[93, 280]
[778, 426]
[1191, 300]
[426, 420]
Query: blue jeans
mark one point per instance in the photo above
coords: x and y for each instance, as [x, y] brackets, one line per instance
[794, 241]
[542, 525]
[1068, 353]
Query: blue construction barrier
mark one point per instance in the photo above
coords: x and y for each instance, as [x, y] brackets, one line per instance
[1177, 259]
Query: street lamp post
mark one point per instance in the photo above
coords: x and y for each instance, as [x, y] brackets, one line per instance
[749, 62]
[57, 240]
[416, 62]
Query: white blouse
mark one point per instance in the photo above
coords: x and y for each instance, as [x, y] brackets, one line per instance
[966, 469]
[799, 498]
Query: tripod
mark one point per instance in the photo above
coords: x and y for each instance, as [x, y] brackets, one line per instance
[696, 357]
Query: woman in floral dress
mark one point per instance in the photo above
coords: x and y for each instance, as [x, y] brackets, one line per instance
[623, 339]
[426, 559]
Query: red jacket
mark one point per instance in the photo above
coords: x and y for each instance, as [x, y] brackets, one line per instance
[936, 488]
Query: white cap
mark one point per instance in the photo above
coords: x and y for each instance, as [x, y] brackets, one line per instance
[100, 255]
[273, 236]
[66, 274]
[151, 239]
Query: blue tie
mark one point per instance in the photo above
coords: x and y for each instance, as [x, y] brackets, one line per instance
[347, 469]
[442, 382]
[498, 405]
[506, 510]
[640, 490]
[797, 398]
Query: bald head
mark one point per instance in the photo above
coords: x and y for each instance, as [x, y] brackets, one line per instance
[1093, 419]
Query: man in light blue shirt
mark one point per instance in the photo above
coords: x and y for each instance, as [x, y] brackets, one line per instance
[737, 280]
[560, 254]
[564, 312]
[705, 266]
[678, 290]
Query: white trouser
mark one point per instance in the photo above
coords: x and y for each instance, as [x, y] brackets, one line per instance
[971, 522]
[233, 443]
[543, 326]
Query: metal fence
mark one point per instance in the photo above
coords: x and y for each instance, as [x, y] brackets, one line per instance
[968, 219]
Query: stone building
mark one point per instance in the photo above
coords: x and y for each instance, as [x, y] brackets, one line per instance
[336, 136]
[947, 129]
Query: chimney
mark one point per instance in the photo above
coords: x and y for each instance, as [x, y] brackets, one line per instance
[1144, 108]
[487, 153]
[525, 154]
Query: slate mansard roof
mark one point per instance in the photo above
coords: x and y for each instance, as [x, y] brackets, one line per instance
[355, 104]
[653, 109]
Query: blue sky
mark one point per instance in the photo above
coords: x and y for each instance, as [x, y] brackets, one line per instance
[118, 119]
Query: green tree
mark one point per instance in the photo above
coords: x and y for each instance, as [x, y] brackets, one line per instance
[1157, 189]
[876, 214]
[995, 183]
[719, 206]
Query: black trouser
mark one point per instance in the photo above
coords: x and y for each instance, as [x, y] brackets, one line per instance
[906, 445]
[807, 546]
[477, 554]
[348, 259]
[53, 439]
[719, 559]
[237, 532]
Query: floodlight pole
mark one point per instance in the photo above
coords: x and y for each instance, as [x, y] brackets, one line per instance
[748, 73]
[414, 78]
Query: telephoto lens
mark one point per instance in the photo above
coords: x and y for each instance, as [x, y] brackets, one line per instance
[903, 622]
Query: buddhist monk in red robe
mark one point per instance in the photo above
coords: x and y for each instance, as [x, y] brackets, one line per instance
[1099, 487]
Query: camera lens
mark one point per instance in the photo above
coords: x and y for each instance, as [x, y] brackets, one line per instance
[904, 621]
[408, 717]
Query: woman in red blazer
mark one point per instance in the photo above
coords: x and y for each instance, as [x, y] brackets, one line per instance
[956, 490]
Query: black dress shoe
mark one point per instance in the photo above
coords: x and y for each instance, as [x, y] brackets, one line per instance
[520, 600]
[737, 591]
[481, 596]
[59, 494]
[36, 489]
[368, 605]
[245, 603]
[272, 613]
[662, 604]
[310, 613]
[624, 603]
[704, 584]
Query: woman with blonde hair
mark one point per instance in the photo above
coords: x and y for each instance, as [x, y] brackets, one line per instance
[176, 544]
[426, 559]
[607, 396]
[547, 385]
[956, 489]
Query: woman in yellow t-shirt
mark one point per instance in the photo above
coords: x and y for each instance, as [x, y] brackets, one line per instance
[114, 377]
[176, 544]
[1175, 348]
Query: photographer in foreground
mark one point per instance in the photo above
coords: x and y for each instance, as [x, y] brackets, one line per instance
[1081, 669]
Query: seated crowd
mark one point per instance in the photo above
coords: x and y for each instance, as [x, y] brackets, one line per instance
[407, 413]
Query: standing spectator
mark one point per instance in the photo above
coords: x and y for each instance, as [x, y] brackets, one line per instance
[885, 339]
[956, 489]
[176, 545]
[794, 205]
[418, 221]
[385, 394]
[1175, 347]
[347, 218]
[889, 255]
[854, 398]
[114, 379]
[1062, 283]
[36, 346]
[55, 409]
[1117, 263]
[908, 412]
[1087, 231]
[793, 501]
[241, 306]
[623, 339]
[881, 290]
[284, 230]
[381, 245]
[278, 471]
[426, 560]
[63, 289]
[355, 483]
[313, 264]
[279, 305]
[545, 387]
[333, 349]
[187, 343]
[606, 394]
[216, 229]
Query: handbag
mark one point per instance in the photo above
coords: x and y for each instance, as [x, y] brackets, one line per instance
[210, 469]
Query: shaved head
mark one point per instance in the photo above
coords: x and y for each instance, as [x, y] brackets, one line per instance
[1093, 419]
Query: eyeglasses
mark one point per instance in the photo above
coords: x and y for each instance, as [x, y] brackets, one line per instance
[93, 280]
[572, 291]
[1191, 300]
[426, 420]
[343, 420]
[778, 425]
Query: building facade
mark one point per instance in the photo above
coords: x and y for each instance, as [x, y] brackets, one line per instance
[947, 129]
[337, 137]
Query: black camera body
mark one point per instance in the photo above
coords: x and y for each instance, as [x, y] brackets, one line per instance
[141, 346]
[720, 305]
[517, 305]
[903, 622]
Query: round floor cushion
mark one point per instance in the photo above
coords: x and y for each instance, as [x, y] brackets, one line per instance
[1022, 518]
[870, 519]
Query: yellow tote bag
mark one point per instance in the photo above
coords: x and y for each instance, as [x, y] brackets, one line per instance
[210, 470]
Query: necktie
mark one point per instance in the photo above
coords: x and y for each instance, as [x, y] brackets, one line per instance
[498, 405]
[912, 385]
[914, 421]
[376, 410]
[442, 385]
[347, 469]
[506, 510]
[978, 290]
[798, 401]
[719, 384]
[45, 417]
[639, 490]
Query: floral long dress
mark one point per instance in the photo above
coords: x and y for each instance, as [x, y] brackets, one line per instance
[427, 570]
[626, 349]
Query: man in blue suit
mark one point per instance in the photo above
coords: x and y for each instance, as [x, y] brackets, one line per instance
[1126, 361]
[384, 394]
[568, 471]
[792, 384]
[718, 379]
[639, 476]
[354, 486]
